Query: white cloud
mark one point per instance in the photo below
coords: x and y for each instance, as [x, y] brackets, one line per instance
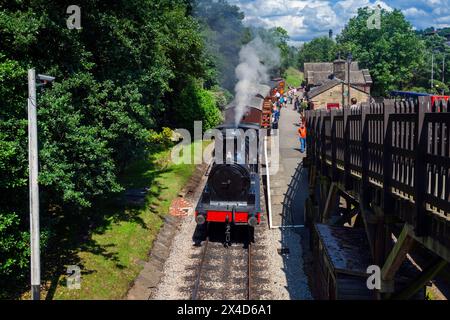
[414, 12]
[305, 20]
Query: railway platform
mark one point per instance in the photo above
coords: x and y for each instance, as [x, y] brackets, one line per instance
[288, 184]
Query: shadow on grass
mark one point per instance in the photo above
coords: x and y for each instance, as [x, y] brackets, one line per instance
[74, 231]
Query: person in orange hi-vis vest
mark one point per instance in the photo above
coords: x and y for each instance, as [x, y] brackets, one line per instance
[302, 133]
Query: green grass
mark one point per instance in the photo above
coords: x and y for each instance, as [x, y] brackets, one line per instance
[111, 257]
[294, 77]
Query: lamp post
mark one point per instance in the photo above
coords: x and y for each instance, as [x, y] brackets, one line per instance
[34, 184]
[349, 63]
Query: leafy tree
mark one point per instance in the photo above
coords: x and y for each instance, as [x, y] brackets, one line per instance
[117, 78]
[393, 54]
[439, 51]
[320, 49]
[195, 104]
[224, 34]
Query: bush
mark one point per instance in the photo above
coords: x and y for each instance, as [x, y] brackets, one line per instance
[197, 104]
[14, 248]
[163, 138]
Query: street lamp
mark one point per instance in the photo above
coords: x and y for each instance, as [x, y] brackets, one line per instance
[349, 63]
[33, 176]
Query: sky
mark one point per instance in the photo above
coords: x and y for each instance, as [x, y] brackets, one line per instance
[305, 20]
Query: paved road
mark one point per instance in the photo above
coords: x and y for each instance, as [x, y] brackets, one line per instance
[289, 186]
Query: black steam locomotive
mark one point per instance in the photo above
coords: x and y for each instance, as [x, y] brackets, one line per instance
[232, 193]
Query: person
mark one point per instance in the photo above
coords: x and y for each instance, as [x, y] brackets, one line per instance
[282, 101]
[296, 104]
[276, 117]
[354, 105]
[302, 135]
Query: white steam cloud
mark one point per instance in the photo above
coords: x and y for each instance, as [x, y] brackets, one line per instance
[256, 58]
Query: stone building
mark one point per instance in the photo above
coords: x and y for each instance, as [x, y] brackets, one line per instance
[333, 94]
[327, 83]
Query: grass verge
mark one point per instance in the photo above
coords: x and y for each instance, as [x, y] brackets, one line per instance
[294, 77]
[112, 254]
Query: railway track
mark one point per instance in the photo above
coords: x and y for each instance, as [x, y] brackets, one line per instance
[223, 273]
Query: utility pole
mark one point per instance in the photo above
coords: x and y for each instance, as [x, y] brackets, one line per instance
[432, 71]
[349, 63]
[33, 163]
[34, 187]
[443, 68]
[443, 72]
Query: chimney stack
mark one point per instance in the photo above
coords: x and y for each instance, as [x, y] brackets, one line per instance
[339, 69]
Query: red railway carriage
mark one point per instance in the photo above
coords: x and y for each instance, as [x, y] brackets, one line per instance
[278, 85]
[258, 110]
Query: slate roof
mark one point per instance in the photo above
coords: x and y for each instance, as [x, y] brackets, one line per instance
[319, 73]
[323, 88]
[327, 86]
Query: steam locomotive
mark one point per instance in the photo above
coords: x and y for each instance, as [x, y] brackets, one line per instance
[232, 193]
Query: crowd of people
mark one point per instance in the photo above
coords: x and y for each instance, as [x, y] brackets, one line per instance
[299, 104]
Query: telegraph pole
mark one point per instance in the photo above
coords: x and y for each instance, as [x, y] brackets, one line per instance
[443, 72]
[432, 71]
[443, 68]
[33, 163]
[349, 62]
[34, 187]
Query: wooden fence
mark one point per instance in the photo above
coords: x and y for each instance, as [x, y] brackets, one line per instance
[400, 150]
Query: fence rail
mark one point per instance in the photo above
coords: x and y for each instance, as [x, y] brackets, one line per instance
[397, 147]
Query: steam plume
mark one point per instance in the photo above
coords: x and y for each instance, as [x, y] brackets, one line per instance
[256, 58]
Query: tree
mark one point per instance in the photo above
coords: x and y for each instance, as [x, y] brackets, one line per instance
[438, 51]
[224, 34]
[117, 78]
[393, 54]
[322, 49]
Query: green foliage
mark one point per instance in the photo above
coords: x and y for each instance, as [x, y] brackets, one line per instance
[393, 54]
[322, 49]
[116, 79]
[224, 34]
[13, 249]
[293, 77]
[278, 38]
[222, 96]
[163, 138]
[440, 87]
[437, 53]
[197, 104]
